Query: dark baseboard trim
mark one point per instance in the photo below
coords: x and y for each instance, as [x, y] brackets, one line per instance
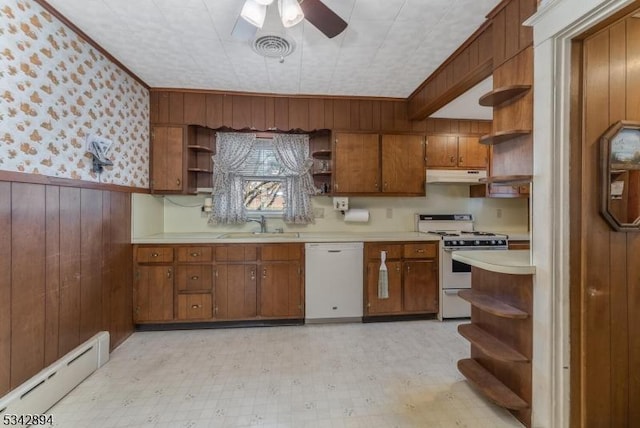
[391, 318]
[217, 324]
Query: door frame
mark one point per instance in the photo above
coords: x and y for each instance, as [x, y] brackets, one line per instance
[555, 24]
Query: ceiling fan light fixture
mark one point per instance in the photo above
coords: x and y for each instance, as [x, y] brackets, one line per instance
[290, 12]
[254, 12]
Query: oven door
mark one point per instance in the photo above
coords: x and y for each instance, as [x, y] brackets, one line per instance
[454, 274]
[452, 305]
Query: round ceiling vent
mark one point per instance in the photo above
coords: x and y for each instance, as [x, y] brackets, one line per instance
[273, 46]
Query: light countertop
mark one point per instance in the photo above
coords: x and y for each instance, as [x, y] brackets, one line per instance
[516, 262]
[215, 238]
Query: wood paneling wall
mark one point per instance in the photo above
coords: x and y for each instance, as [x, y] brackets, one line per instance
[65, 273]
[499, 39]
[261, 112]
[605, 265]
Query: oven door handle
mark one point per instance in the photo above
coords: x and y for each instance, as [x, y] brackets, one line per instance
[451, 292]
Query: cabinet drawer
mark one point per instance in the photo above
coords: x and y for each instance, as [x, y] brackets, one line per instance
[194, 278]
[154, 254]
[195, 306]
[194, 254]
[426, 250]
[394, 251]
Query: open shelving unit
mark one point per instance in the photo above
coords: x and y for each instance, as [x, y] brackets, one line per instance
[200, 148]
[503, 95]
[322, 169]
[503, 136]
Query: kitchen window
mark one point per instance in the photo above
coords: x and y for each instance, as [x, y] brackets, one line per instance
[263, 180]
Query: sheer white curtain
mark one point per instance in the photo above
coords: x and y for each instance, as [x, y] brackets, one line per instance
[292, 151]
[232, 149]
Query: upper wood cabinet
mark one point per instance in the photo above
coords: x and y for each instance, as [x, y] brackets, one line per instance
[357, 163]
[378, 164]
[403, 164]
[167, 159]
[450, 151]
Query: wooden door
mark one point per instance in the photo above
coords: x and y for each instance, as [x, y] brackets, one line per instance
[391, 305]
[403, 168]
[357, 163]
[167, 164]
[235, 291]
[472, 154]
[442, 151]
[153, 294]
[420, 286]
[281, 290]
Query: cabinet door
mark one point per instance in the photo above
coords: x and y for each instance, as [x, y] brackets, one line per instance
[391, 305]
[403, 164]
[153, 294]
[420, 286]
[281, 290]
[472, 154]
[442, 151]
[235, 291]
[357, 163]
[167, 162]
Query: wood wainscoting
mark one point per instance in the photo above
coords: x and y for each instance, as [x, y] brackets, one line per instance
[65, 272]
[605, 264]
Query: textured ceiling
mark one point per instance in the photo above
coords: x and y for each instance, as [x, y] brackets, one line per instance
[387, 50]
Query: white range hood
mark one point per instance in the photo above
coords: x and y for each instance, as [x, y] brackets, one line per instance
[455, 176]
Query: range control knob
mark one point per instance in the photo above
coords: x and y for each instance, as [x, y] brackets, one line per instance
[493, 242]
[477, 242]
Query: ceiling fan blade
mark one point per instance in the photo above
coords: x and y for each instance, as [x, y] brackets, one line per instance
[243, 30]
[323, 18]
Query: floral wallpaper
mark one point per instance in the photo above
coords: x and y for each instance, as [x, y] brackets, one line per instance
[55, 90]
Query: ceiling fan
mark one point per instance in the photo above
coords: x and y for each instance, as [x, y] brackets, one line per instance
[291, 12]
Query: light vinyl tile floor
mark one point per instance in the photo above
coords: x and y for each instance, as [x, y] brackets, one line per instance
[398, 374]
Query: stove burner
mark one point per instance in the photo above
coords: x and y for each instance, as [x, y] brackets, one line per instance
[477, 233]
[443, 233]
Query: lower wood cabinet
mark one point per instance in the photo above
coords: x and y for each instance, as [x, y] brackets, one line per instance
[412, 272]
[153, 294]
[236, 291]
[218, 282]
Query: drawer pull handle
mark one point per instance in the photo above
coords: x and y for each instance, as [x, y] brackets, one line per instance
[195, 306]
[420, 250]
[195, 277]
[195, 254]
[154, 254]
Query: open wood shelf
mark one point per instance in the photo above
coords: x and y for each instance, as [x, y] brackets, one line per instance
[502, 136]
[321, 174]
[492, 305]
[491, 387]
[490, 345]
[196, 148]
[321, 154]
[502, 95]
[508, 179]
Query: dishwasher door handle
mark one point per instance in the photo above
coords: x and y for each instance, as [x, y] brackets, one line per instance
[334, 251]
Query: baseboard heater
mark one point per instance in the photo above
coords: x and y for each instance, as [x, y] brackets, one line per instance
[42, 391]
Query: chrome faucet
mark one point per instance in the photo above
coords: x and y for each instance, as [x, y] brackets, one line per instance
[262, 221]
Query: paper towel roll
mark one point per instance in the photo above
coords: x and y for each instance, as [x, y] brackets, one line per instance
[357, 215]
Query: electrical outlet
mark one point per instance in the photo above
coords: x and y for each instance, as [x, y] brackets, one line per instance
[499, 213]
[318, 212]
[340, 204]
[389, 212]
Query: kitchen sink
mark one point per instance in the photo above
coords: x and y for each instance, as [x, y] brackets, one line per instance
[245, 235]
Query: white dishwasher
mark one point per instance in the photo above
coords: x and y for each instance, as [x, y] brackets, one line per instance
[333, 282]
